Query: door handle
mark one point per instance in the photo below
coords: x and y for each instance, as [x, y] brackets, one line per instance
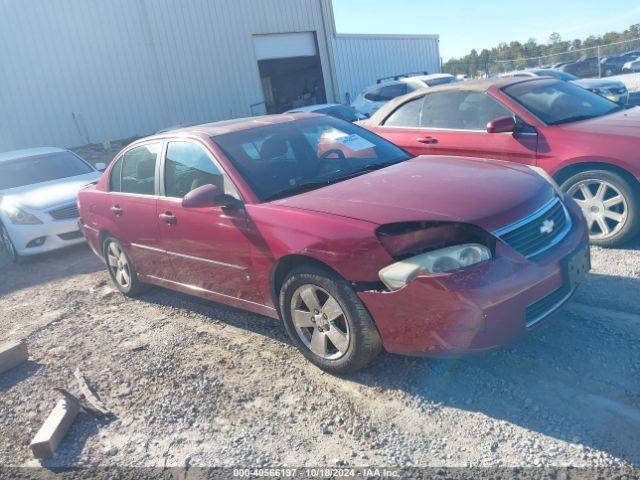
[427, 140]
[168, 218]
[116, 210]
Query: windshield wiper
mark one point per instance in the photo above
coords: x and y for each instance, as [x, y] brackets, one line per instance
[369, 167]
[301, 188]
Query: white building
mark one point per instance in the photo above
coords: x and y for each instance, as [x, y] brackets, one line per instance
[84, 71]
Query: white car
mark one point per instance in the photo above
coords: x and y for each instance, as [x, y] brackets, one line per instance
[632, 66]
[337, 110]
[375, 96]
[38, 190]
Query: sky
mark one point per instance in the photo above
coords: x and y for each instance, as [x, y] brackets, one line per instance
[466, 24]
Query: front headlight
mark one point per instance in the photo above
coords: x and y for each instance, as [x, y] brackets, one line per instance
[549, 179]
[398, 274]
[19, 217]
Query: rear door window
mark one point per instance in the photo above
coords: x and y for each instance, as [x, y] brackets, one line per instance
[139, 168]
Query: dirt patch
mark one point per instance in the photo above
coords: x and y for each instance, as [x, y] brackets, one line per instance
[196, 383]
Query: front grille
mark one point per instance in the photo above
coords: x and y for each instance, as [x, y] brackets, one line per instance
[71, 235]
[546, 306]
[538, 232]
[64, 213]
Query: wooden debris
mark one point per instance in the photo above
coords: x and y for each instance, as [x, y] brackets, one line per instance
[12, 355]
[53, 430]
[89, 394]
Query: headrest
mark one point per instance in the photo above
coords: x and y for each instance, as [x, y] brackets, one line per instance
[273, 147]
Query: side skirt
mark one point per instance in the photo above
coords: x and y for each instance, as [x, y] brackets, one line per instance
[213, 296]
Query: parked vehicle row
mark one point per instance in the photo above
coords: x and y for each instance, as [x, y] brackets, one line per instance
[453, 221]
[614, 90]
[599, 66]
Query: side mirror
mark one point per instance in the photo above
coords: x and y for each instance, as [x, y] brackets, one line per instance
[501, 125]
[101, 167]
[207, 196]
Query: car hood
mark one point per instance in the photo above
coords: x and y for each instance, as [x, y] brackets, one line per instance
[486, 193]
[598, 83]
[42, 196]
[625, 123]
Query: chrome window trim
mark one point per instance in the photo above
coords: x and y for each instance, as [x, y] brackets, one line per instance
[535, 215]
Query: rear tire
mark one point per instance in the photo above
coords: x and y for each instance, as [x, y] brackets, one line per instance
[9, 248]
[121, 269]
[610, 204]
[331, 328]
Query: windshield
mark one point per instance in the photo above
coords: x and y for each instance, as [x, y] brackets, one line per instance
[556, 102]
[288, 158]
[43, 168]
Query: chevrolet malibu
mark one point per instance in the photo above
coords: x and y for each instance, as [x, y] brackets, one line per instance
[38, 189]
[353, 243]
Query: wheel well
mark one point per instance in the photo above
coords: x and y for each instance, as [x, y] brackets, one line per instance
[571, 170]
[285, 265]
[101, 238]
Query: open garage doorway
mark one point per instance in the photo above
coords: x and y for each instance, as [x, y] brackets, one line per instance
[290, 70]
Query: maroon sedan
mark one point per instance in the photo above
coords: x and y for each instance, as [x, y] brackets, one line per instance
[349, 240]
[590, 145]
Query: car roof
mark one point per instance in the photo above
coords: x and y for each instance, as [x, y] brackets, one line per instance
[480, 86]
[313, 108]
[29, 152]
[229, 126]
[395, 81]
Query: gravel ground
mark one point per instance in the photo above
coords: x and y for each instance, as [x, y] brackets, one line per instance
[199, 384]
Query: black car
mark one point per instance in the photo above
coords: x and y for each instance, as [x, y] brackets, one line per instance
[613, 65]
[583, 68]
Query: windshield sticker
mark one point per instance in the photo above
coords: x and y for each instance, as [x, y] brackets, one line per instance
[355, 143]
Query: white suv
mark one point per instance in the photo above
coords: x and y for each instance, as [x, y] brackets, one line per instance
[375, 96]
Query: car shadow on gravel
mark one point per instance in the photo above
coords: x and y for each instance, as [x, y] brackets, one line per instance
[576, 379]
[47, 267]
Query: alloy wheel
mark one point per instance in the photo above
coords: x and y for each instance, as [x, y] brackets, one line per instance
[320, 322]
[602, 204]
[119, 265]
[8, 244]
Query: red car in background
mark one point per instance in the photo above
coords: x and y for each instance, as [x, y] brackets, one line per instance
[343, 235]
[590, 145]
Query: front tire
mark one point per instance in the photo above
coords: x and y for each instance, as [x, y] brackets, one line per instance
[121, 268]
[9, 248]
[610, 204]
[326, 321]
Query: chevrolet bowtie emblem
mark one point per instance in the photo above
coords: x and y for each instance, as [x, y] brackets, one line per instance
[547, 227]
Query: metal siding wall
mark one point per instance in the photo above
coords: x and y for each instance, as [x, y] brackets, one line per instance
[361, 60]
[129, 67]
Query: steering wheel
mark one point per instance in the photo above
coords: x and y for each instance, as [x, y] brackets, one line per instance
[334, 151]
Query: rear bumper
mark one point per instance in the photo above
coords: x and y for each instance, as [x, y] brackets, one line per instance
[480, 308]
[48, 236]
